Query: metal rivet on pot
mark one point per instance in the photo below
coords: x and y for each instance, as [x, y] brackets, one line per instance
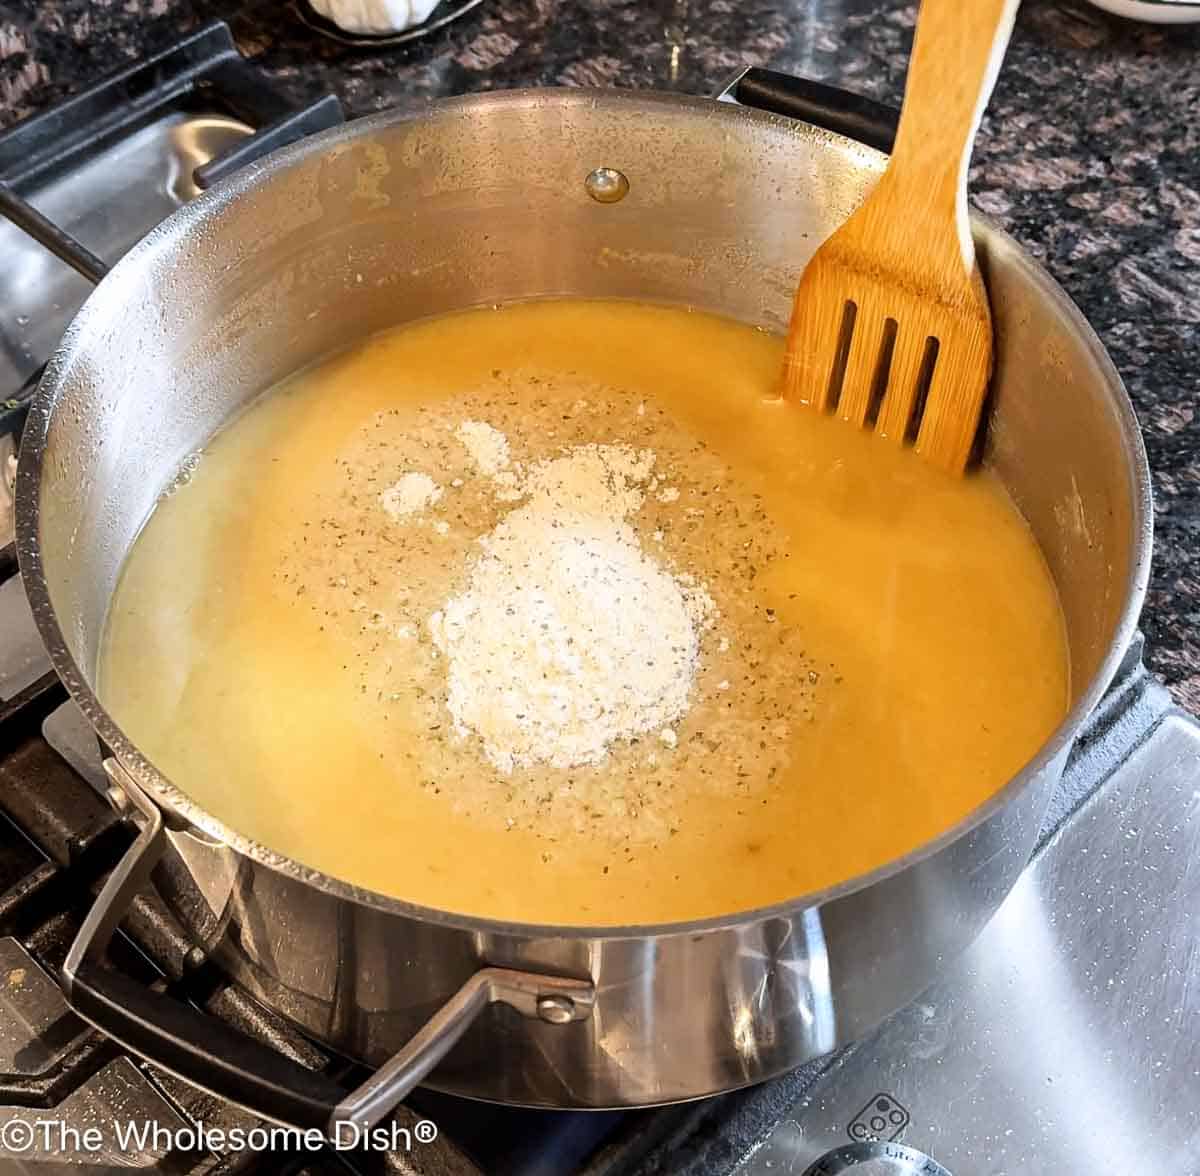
[607, 185]
[556, 1009]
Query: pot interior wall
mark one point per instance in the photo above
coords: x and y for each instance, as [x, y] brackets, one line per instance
[483, 201]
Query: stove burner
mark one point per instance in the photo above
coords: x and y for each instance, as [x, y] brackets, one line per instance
[873, 1158]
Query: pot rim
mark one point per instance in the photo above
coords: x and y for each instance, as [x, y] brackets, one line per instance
[209, 205]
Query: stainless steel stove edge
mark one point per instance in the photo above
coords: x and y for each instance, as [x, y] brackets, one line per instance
[1066, 1039]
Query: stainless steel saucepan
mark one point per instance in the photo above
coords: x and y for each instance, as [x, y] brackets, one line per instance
[482, 200]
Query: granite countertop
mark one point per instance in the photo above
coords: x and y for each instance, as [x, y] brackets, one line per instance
[1089, 154]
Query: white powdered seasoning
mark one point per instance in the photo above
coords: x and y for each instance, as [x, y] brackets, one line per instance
[488, 447]
[412, 493]
[568, 636]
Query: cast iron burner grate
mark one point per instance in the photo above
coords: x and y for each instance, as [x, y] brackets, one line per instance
[93, 175]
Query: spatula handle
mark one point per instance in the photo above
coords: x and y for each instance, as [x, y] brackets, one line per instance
[956, 56]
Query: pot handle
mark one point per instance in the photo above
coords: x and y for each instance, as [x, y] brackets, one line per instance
[834, 109]
[218, 1058]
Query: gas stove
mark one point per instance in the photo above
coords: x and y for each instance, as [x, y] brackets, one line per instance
[1065, 1041]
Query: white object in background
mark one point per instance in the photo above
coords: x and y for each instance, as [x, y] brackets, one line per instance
[1155, 11]
[375, 17]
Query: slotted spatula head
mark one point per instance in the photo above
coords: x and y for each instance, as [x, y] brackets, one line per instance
[891, 328]
[890, 345]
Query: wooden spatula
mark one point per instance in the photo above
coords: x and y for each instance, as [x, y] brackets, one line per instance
[891, 328]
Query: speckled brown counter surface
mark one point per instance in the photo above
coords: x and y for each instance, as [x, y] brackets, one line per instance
[1089, 154]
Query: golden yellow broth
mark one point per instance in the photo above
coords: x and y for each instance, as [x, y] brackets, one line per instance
[922, 599]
